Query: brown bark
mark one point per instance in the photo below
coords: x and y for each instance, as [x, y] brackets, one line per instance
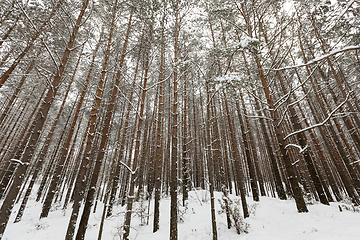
[10, 103]
[130, 196]
[339, 151]
[174, 134]
[249, 161]
[160, 127]
[236, 156]
[60, 164]
[122, 137]
[185, 139]
[16, 154]
[299, 199]
[7, 73]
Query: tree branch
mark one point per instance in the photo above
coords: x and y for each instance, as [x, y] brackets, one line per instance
[322, 123]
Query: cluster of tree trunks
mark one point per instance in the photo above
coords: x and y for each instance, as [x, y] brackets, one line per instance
[119, 103]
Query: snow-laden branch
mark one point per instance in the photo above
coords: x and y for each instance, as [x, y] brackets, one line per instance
[154, 85]
[331, 25]
[296, 162]
[358, 161]
[292, 104]
[128, 168]
[323, 122]
[318, 59]
[292, 90]
[301, 150]
[18, 162]
[283, 100]
[258, 116]
[211, 97]
[42, 40]
[130, 103]
[256, 97]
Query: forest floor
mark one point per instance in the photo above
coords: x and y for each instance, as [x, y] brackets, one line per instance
[270, 219]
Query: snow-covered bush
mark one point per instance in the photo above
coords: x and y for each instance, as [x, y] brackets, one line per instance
[348, 205]
[233, 208]
[252, 208]
[308, 197]
[182, 210]
[141, 210]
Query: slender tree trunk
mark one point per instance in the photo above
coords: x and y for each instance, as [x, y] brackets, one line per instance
[10, 103]
[299, 199]
[133, 176]
[160, 131]
[26, 133]
[8, 204]
[174, 132]
[210, 163]
[122, 135]
[185, 159]
[7, 73]
[253, 180]
[60, 164]
[236, 155]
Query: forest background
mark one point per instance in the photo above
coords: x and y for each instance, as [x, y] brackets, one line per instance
[117, 101]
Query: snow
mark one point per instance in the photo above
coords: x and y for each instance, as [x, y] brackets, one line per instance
[245, 43]
[18, 161]
[320, 58]
[270, 219]
[301, 150]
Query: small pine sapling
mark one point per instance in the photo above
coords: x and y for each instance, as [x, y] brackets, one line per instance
[233, 210]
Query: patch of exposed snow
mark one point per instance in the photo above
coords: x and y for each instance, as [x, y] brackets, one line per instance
[270, 219]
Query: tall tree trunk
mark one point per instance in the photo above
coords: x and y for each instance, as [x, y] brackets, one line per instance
[210, 163]
[249, 161]
[7, 73]
[60, 164]
[160, 127]
[236, 155]
[16, 92]
[185, 159]
[174, 133]
[122, 135]
[8, 204]
[299, 199]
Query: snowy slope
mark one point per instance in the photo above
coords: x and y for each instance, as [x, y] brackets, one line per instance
[271, 219]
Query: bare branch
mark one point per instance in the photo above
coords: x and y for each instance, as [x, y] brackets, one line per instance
[322, 123]
[301, 150]
[128, 168]
[332, 53]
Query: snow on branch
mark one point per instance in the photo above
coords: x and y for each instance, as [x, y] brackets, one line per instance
[37, 30]
[301, 150]
[323, 122]
[332, 24]
[296, 162]
[358, 161]
[130, 103]
[148, 88]
[349, 48]
[128, 168]
[18, 161]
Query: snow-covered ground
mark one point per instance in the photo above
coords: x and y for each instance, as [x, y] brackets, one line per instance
[270, 219]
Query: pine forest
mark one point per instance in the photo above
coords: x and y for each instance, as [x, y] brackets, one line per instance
[108, 107]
